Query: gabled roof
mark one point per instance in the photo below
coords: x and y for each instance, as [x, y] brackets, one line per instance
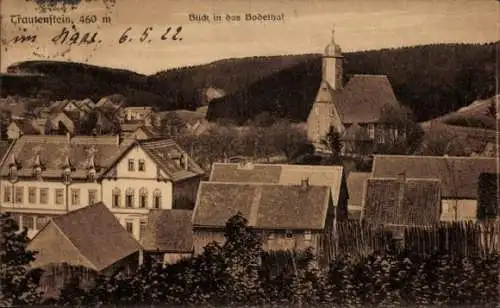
[149, 131]
[169, 231]
[406, 202]
[97, 234]
[53, 153]
[458, 175]
[25, 127]
[166, 153]
[265, 206]
[279, 174]
[362, 98]
[163, 152]
[356, 182]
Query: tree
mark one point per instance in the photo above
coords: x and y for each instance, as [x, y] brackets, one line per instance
[88, 125]
[172, 125]
[402, 133]
[72, 294]
[242, 252]
[333, 143]
[18, 285]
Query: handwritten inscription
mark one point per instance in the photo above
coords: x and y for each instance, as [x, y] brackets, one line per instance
[71, 36]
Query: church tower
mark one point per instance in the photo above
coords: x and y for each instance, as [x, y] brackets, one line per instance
[332, 64]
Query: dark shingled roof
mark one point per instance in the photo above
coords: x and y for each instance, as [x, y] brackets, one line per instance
[169, 231]
[402, 202]
[265, 206]
[362, 98]
[54, 151]
[163, 152]
[97, 234]
[283, 174]
[458, 175]
[356, 185]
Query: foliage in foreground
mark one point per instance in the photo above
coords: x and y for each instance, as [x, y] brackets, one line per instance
[239, 273]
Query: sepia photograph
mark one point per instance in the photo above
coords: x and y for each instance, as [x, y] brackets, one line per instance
[249, 153]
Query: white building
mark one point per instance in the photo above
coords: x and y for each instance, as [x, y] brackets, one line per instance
[44, 176]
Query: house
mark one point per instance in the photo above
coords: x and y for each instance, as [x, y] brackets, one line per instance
[141, 113]
[459, 177]
[144, 132]
[17, 128]
[288, 217]
[190, 121]
[331, 176]
[359, 102]
[62, 123]
[150, 174]
[402, 201]
[168, 235]
[356, 182]
[90, 237]
[45, 176]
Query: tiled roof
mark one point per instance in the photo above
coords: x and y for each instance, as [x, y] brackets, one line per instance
[97, 234]
[26, 127]
[362, 98]
[169, 231]
[355, 186]
[54, 151]
[265, 206]
[458, 175]
[163, 152]
[402, 202]
[280, 174]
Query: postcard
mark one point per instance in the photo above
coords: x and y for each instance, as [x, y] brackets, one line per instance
[249, 153]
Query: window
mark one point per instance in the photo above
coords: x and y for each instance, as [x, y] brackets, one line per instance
[59, 196]
[129, 226]
[7, 194]
[157, 199]
[19, 194]
[75, 196]
[289, 234]
[143, 198]
[142, 165]
[307, 235]
[116, 197]
[131, 165]
[371, 130]
[92, 196]
[44, 195]
[32, 195]
[28, 222]
[142, 229]
[129, 198]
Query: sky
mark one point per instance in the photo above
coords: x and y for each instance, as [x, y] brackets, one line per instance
[305, 28]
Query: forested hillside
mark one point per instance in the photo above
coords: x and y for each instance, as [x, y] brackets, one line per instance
[432, 80]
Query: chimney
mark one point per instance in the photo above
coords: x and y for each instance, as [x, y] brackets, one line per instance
[304, 184]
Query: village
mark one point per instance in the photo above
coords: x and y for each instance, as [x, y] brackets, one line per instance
[103, 185]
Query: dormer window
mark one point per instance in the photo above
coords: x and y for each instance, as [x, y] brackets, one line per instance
[92, 174]
[37, 167]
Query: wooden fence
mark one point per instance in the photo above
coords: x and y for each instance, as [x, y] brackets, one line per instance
[358, 239]
[55, 276]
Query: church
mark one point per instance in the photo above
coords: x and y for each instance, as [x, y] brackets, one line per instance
[353, 109]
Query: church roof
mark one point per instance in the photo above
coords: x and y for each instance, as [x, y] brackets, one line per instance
[362, 98]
